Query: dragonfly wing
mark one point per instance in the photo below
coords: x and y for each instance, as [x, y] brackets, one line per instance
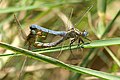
[65, 19]
[24, 36]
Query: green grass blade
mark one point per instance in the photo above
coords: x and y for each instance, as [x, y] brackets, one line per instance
[101, 8]
[113, 56]
[21, 8]
[84, 63]
[101, 43]
[93, 44]
[73, 68]
[101, 5]
[15, 9]
[109, 26]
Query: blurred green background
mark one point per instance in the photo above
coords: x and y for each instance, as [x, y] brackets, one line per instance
[50, 14]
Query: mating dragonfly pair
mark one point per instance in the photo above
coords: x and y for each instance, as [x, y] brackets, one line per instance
[73, 34]
[35, 31]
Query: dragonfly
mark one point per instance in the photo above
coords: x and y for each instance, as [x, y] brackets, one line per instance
[72, 33]
[32, 36]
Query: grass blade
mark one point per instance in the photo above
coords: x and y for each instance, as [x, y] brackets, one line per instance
[73, 68]
[110, 24]
[93, 44]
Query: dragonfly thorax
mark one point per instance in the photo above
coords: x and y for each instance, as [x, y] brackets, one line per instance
[73, 33]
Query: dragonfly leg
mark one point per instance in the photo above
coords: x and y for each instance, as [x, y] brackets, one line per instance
[44, 36]
[83, 42]
[72, 41]
[80, 40]
[88, 39]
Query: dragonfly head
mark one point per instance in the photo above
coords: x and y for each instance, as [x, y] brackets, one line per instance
[32, 27]
[34, 30]
[84, 33]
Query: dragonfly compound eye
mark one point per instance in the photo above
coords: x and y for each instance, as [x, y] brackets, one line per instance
[85, 33]
[32, 27]
[33, 31]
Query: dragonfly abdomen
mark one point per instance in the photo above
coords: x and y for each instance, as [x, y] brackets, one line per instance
[60, 33]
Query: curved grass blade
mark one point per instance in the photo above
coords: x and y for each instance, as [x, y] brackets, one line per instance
[109, 26]
[30, 7]
[113, 56]
[44, 58]
[93, 44]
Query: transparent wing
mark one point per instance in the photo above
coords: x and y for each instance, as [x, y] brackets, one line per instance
[23, 34]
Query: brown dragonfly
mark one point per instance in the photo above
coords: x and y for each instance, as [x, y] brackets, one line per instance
[29, 40]
[32, 36]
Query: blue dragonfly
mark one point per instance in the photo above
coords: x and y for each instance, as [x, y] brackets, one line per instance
[72, 33]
